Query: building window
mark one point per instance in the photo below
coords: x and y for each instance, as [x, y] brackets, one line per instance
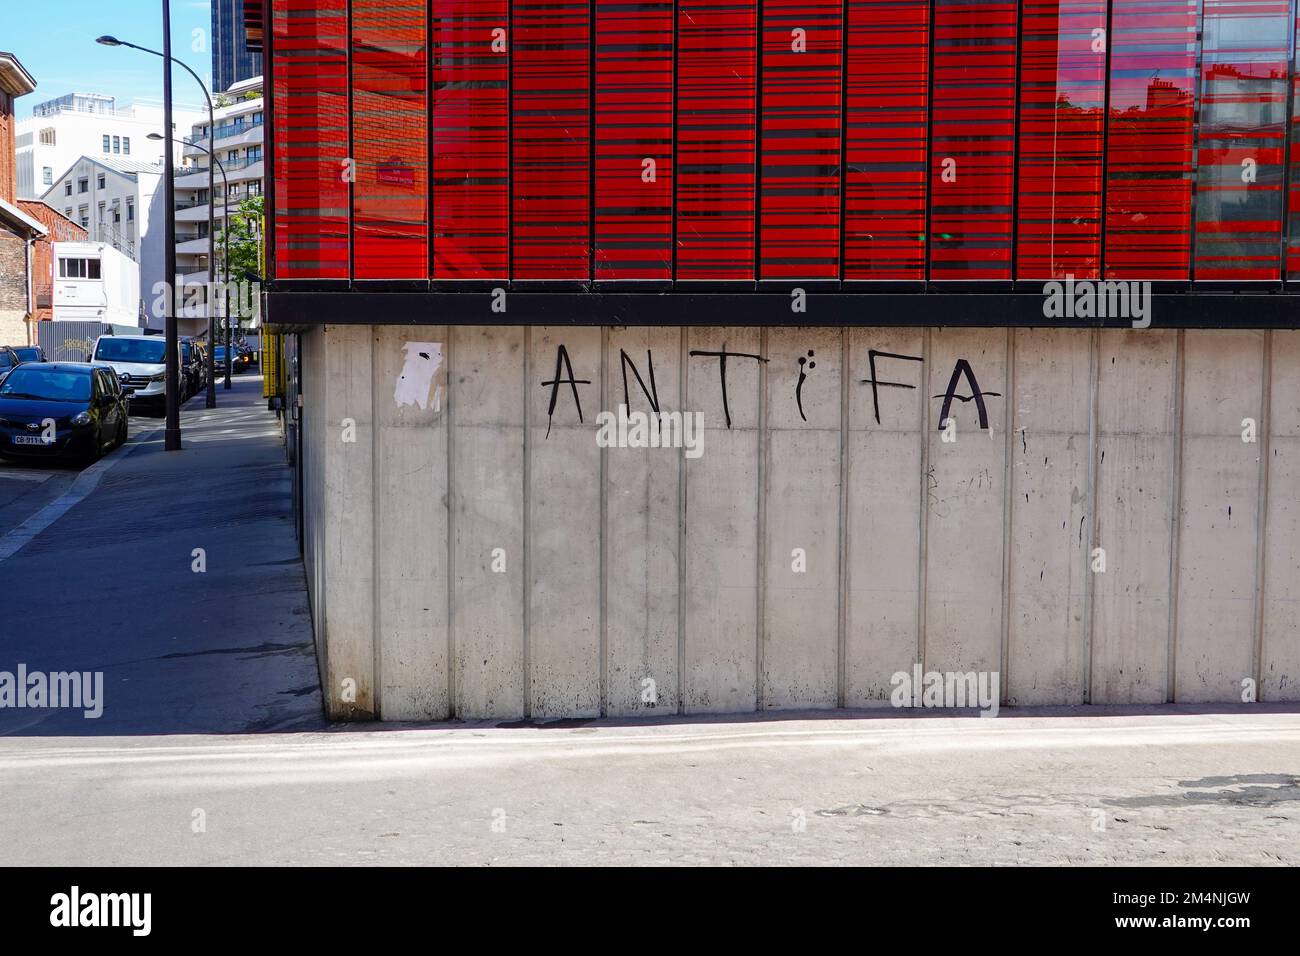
[68, 212]
[79, 268]
[47, 176]
[101, 214]
[83, 216]
[254, 154]
[254, 188]
[117, 144]
[83, 184]
[130, 210]
[106, 142]
[99, 181]
[47, 136]
[67, 188]
[126, 145]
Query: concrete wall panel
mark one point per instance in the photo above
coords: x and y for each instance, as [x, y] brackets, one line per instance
[1219, 521]
[966, 487]
[641, 522]
[1280, 646]
[486, 410]
[883, 522]
[802, 519]
[348, 539]
[721, 512]
[411, 522]
[1135, 457]
[564, 523]
[1051, 499]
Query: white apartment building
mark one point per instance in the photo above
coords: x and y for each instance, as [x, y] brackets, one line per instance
[120, 203]
[61, 130]
[238, 145]
[95, 282]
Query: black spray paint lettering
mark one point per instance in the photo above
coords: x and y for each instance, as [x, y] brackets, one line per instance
[804, 363]
[722, 371]
[963, 368]
[562, 360]
[564, 376]
[875, 382]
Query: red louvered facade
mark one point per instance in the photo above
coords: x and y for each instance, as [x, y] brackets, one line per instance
[852, 145]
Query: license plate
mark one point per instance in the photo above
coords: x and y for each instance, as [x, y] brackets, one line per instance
[29, 440]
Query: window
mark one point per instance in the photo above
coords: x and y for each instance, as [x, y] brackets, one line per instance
[47, 137]
[83, 184]
[254, 188]
[67, 188]
[254, 154]
[117, 144]
[99, 181]
[47, 176]
[79, 268]
[130, 210]
[126, 145]
[68, 212]
[101, 213]
[106, 142]
[83, 216]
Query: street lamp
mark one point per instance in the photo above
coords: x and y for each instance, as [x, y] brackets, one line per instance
[211, 400]
[225, 268]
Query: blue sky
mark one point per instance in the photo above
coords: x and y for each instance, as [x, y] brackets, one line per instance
[55, 40]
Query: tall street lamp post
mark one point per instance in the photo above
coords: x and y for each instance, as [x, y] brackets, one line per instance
[211, 399]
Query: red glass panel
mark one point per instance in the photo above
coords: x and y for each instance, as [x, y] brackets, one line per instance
[390, 222]
[886, 106]
[800, 190]
[634, 139]
[1149, 147]
[716, 64]
[1062, 115]
[973, 139]
[1241, 139]
[550, 100]
[310, 89]
[471, 139]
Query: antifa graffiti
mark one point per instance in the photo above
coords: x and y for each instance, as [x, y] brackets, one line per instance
[564, 378]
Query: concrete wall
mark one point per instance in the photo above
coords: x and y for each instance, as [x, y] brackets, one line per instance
[473, 551]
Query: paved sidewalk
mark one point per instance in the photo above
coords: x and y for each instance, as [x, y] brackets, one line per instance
[101, 579]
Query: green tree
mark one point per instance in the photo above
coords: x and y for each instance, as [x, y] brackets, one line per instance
[245, 241]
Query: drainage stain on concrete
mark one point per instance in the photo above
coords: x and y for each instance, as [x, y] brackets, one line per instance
[1244, 790]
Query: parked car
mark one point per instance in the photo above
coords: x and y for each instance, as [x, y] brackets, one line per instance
[192, 377]
[62, 410]
[9, 358]
[238, 361]
[31, 353]
[139, 362]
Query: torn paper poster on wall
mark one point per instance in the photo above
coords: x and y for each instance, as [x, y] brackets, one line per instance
[417, 377]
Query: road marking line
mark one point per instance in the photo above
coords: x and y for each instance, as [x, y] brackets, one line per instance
[86, 482]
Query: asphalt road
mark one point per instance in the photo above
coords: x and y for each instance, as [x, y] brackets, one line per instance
[99, 570]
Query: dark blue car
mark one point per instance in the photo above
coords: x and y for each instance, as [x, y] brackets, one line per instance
[61, 410]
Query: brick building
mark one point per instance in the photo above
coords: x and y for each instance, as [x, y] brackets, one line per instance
[59, 228]
[18, 231]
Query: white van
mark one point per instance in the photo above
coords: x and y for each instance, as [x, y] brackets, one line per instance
[139, 362]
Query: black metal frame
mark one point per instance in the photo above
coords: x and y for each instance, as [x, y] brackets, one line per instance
[1190, 310]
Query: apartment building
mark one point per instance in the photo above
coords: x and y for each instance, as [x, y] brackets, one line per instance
[238, 146]
[19, 232]
[59, 229]
[63, 129]
[118, 202]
